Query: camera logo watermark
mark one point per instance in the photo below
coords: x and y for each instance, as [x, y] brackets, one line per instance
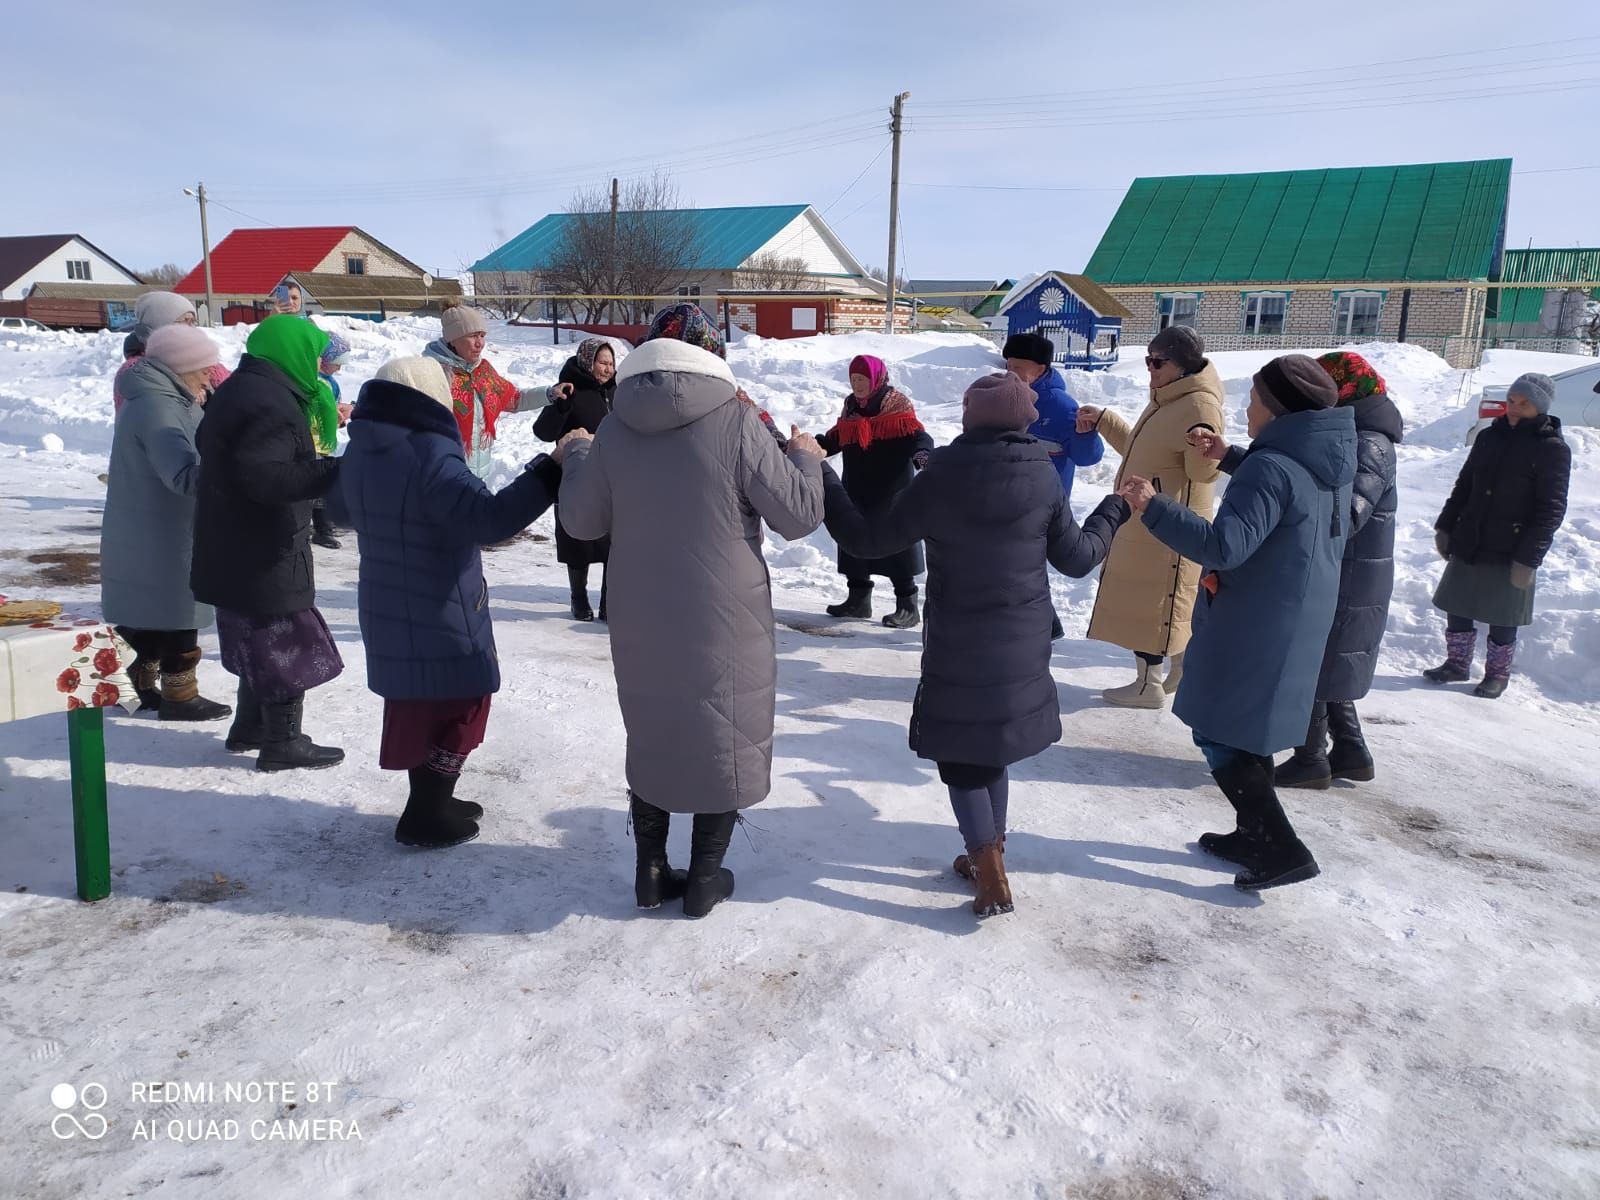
[66, 1124]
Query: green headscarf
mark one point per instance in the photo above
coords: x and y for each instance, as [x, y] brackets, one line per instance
[294, 345]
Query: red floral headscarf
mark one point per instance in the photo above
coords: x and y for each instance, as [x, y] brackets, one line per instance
[1353, 375]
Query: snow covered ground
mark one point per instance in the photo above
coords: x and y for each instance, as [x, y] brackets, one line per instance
[498, 1021]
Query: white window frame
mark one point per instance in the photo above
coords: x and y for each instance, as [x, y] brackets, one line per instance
[1344, 314]
[1166, 309]
[1251, 324]
[78, 270]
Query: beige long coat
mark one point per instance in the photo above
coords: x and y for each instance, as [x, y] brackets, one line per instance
[1147, 592]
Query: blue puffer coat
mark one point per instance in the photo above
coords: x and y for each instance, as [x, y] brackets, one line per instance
[420, 516]
[1250, 677]
[1057, 428]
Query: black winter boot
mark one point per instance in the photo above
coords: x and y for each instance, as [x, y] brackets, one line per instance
[1240, 845]
[1279, 856]
[602, 613]
[654, 879]
[905, 614]
[248, 731]
[145, 676]
[1308, 766]
[1349, 758]
[709, 882]
[429, 822]
[180, 692]
[285, 748]
[1056, 632]
[322, 529]
[578, 577]
[857, 605]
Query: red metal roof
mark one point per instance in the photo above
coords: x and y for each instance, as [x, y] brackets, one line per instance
[251, 262]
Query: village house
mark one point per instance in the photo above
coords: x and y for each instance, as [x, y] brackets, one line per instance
[1312, 258]
[1564, 319]
[65, 281]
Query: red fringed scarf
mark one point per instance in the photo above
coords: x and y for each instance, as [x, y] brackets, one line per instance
[853, 429]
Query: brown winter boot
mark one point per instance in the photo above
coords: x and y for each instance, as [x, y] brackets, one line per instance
[994, 892]
[963, 863]
[180, 693]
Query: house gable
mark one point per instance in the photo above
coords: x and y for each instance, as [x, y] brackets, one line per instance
[27, 261]
[250, 262]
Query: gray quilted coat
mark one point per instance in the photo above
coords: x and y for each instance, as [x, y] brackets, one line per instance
[147, 534]
[680, 478]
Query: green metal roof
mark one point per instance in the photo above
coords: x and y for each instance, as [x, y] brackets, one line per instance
[1520, 305]
[1434, 221]
[724, 238]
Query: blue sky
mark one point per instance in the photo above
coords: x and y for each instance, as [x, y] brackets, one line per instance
[446, 130]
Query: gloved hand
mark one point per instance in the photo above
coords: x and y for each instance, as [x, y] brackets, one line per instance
[1441, 542]
[1522, 576]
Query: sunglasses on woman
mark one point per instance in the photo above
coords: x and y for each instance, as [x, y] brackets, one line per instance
[1154, 361]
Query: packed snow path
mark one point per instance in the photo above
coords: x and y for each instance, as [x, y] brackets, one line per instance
[498, 1021]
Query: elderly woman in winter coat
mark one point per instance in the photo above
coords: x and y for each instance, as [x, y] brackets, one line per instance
[420, 517]
[153, 311]
[1147, 590]
[1366, 581]
[582, 399]
[1495, 530]
[147, 536]
[259, 473]
[1271, 559]
[993, 513]
[681, 477]
[481, 395]
[883, 445]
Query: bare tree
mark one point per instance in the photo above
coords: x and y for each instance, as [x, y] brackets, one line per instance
[1589, 331]
[502, 293]
[770, 272]
[881, 274]
[647, 248]
[167, 274]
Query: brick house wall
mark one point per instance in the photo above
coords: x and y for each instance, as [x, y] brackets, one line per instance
[379, 260]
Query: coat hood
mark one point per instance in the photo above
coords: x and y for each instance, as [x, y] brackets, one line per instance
[1323, 442]
[1377, 414]
[668, 384]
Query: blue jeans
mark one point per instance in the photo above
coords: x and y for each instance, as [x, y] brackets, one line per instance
[1218, 756]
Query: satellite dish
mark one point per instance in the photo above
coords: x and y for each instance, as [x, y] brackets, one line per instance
[427, 280]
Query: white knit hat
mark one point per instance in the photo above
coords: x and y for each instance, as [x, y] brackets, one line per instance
[154, 310]
[425, 375]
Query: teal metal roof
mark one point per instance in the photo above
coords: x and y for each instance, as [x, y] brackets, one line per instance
[1433, 221]
[1521, 305]
[724, 238]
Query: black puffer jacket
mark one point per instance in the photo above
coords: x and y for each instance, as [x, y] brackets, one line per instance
[991, 510]
[589, 404]
[259, 473]
[1366, 576]
[1511, 495]
[874, 474]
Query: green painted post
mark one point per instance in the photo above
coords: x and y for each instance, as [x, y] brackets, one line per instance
[91, 831]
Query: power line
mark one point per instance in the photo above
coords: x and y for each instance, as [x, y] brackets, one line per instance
[1368, 67]
[882, 150]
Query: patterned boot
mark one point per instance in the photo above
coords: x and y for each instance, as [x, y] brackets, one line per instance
[1497, 673]
[1457, 665]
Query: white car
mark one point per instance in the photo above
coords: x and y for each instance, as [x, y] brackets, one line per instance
[21, 325]
[1577, 400]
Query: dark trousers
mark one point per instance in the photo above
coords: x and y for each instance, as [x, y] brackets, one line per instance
[902, 587]
[165, 647]
[1502, 635]
[978, 796]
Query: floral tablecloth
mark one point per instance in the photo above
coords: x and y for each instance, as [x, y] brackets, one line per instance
[61, 664]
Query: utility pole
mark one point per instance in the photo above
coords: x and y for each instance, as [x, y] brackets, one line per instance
[612, 273]
[894, 202]
[199, 193]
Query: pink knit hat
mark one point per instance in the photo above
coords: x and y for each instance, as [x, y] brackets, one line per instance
[1001, 401]
[183, 348]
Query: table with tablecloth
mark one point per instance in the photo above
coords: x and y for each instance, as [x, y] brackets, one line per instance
[75, 665]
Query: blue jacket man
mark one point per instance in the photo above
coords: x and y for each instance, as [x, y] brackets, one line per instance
[1030, 355]
[1271, 560]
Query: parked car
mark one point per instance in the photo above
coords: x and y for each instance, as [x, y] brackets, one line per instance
[21, 325]
[1577, 400]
